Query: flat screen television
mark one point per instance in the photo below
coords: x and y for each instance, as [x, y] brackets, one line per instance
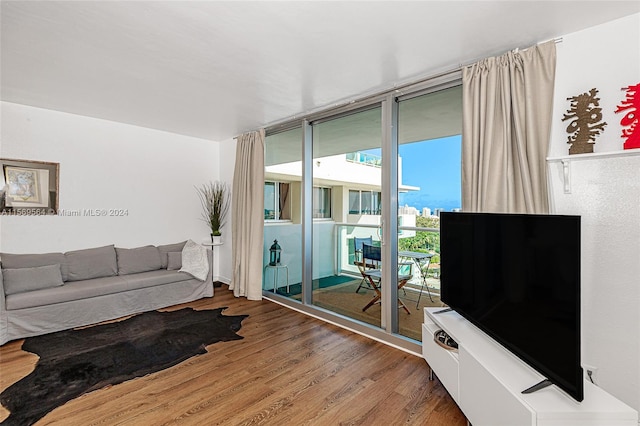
[517, 278]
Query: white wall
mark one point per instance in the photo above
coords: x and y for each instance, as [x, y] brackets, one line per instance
[151, 174]
[605, 57]
[107, 165]
[606, 193]
[224, 254]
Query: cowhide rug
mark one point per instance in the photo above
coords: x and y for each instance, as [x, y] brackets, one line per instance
[74, 362]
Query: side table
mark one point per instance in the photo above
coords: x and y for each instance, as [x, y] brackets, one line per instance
[275, 269]
[211, 246]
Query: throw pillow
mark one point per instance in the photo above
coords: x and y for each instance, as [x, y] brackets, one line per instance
[194, 260]
[29, 279]
[167, 248]
[135, 260]
[91, 263]
[18, 261]
[174, 260]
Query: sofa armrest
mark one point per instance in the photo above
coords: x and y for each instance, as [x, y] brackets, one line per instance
[3, 314]
[2, 297]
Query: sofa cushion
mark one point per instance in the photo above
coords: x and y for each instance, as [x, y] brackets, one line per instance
[28, 279]
[75, 290]
[195, 260]
[17, 261]
[155, 278]
[164, 249]
[94, 288]
[135, 260]
[91, 263]
[174, 260]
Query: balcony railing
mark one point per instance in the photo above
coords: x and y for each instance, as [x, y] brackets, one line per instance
[335, 254]
[424, 240]
[364, 158]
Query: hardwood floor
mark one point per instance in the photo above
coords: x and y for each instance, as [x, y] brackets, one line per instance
[290, 369]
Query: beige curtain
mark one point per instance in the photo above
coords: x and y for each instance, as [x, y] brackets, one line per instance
[507, 107]
[247, 209]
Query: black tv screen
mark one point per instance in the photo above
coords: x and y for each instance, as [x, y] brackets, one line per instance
[517, 278]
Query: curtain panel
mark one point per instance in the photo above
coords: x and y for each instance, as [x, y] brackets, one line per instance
[507, 108]
[247, 209]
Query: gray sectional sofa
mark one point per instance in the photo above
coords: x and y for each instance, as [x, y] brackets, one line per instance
[43, 293]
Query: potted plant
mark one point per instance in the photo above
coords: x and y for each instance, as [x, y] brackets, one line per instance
[214, 197]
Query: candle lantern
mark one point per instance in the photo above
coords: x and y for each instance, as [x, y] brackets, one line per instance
[274, 253]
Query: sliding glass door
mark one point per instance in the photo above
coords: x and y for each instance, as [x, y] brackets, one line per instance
[347, 179]
[282, 254]
[351, 205]
[429, 156]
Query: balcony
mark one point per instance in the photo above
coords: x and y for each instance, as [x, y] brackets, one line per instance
[364, 158]
[336, 276]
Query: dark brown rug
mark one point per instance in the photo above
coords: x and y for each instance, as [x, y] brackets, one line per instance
[74, 362]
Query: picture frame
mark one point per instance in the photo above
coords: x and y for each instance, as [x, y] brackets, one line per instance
[28, 187]
[23, 185]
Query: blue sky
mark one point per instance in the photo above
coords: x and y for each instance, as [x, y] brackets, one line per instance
[434, 166]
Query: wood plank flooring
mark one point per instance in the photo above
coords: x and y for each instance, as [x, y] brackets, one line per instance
[290, 369]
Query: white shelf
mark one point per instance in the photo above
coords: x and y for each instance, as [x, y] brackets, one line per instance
[212, 244]
[594, 155]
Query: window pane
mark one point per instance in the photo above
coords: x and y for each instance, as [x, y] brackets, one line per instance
[376, 203]
[429, 161]
[284, 201]
[430, 128]
[269, 200]
[354, 202]
[346, 153]
[283, 174]
[317, 207]
[366, 202]
[326, 202]
[321, 203]
[431, 116]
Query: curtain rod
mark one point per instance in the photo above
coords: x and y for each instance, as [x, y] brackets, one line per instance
[282, 123]
[556, 40]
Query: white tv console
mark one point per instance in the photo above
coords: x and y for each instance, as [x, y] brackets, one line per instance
[486, 381]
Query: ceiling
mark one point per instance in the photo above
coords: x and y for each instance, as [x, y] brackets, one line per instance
[215, 69]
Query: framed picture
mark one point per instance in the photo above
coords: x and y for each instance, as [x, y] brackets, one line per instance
[28, 187]
[22, 185]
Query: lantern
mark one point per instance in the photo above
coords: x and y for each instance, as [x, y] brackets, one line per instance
[274, 253]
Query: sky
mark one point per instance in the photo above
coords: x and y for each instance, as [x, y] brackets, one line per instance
[434, 166]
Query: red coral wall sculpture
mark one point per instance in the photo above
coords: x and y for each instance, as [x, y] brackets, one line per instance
[631, 130]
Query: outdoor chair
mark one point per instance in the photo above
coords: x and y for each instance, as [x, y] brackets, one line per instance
[359, 261]
[374, 276]
[371, 259]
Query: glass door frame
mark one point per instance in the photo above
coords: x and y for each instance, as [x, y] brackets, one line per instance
[389, 320]
[389, 103]
[389, 226]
